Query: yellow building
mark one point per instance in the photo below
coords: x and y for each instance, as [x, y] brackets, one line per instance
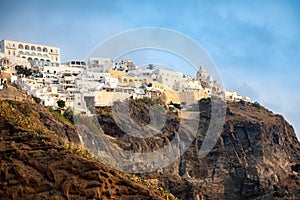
[130, 81]
[171, 96]
[155, 84]
[187, 98]
[116, 74]
[108, 96]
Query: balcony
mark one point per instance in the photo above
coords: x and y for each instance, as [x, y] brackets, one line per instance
[10, 47]
[53, 53]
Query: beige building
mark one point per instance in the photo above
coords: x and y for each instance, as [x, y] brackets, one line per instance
[35, 54]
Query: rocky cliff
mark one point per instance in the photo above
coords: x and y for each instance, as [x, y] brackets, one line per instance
[256, 157]
[41, 158]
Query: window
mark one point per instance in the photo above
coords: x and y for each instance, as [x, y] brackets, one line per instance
[45, 49]
[26, 47]
[20, 46]
[39, 49]
[32, 48]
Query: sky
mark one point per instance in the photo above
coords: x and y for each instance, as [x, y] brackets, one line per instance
[255, 44]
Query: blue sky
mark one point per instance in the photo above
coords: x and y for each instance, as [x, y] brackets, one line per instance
[255, 44]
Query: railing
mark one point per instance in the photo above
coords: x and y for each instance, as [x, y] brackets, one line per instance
[10, 47]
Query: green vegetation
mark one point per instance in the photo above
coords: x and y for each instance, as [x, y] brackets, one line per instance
[257, 105]
[204, 101]
[26, 109]
[66, 117]
[166, 194]
[16, 113]
[146, 101]
[142, 102]
[61, 103]
[81, 151]
[201, 102]
[69, 115]
[23, 70]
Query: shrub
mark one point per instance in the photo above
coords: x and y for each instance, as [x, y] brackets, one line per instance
[68, 114]
[61, 103]
[257, 105]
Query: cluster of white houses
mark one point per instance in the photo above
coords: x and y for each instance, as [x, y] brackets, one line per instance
[101, 79]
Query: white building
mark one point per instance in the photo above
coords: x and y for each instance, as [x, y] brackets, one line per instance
[235, 97]
[103, 64]
[189, 84]
[35, 54]
[170, 79]
[75, 63]
[202, 74]
[50, 70]
[124, 65]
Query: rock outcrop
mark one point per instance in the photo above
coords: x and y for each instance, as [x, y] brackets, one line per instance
[41, 158]
[256, 157]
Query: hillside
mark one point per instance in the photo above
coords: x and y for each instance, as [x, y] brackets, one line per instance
[41, 158]
[256, 157]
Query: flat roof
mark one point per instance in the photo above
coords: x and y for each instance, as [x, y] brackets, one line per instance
[30, 43]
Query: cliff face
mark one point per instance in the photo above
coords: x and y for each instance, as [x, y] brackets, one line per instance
[41, 158]
[256, 157]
